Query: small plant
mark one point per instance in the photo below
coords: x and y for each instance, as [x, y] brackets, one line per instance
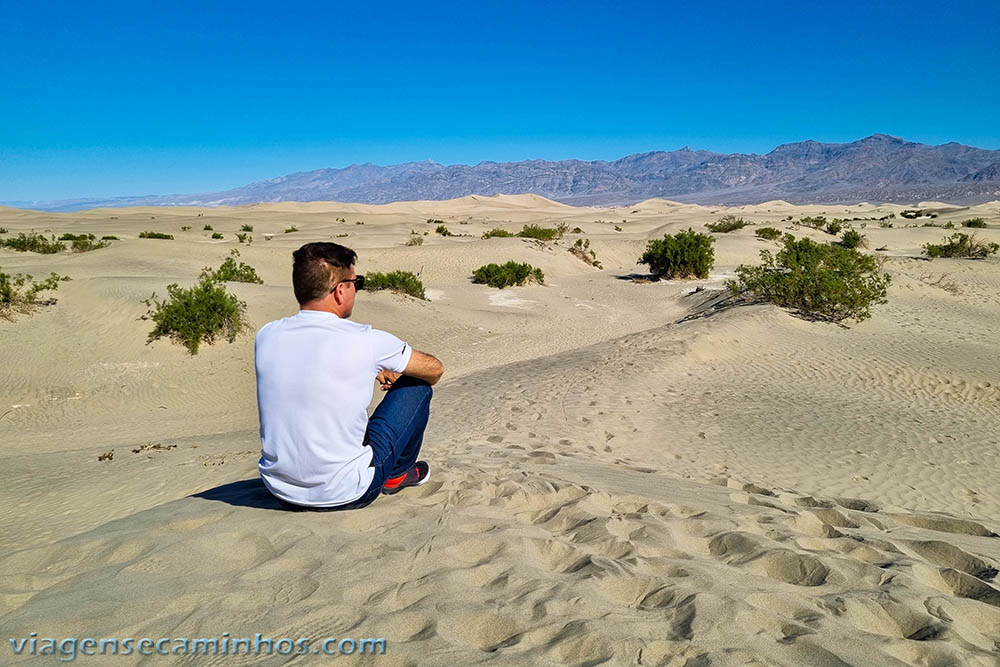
[931, 224]
[434, 221]
[340, 236]
[911, 213]
[617, 228]
[291, 229]
[726, 224]
[582, 250]
[19, 293]
[541, 233]
[687, 254]
[443, 231]
[974, 223]
[415, 240]
[885, 224]
[216, 235]
[109, 237]
[501, 233]
[34, 243]
[231, 272]
[360, 222]
[88, 244]
[826, 282]
[193, 315]
[768, 233]
[577, 230]
[156, 235]
[509, 274]
[206, 228]
[948, 225]
[815, 222]
[403, 282]
[77, 237]
[961, 246]
[185, 228]
[3, 230]
[852, 239]
[246, 228]
[244, 238]
[834, 228]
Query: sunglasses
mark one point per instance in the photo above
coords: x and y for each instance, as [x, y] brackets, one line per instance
[359, 283]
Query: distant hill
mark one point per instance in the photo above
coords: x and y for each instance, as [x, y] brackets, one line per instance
[879, 168]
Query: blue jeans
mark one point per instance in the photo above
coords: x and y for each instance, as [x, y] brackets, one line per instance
[395, 434]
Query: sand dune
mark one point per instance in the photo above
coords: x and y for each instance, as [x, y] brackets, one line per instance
[619, 475]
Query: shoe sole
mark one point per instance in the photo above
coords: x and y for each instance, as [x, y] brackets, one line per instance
[390, 492]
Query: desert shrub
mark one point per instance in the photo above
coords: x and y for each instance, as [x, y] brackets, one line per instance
[834, 228]
[403, 282]
[582, 250]
[34, 243]
[3, 230]
[540, 233]
[617, 228]
[434, 221]
[509, 274]
[443, 231]
[686, 254]
[246, 228]
[911, 213]
[852, 239]
[216, 235]
[109, 237]
[156, 235]
[88, 244]
[185, 228]
[502, 233]
[726, 224]
[291, 229]
[193, 315]
[77, 237]
[360, 222]
[930, 224]
[827, 282]
[231, 272]
[949, 225]
[961, 246]
[244, 238]
[206, 228]
[340, 236]
[816, 222]
[415, 240]
[19, 292]
[577, 230]
[768, 233]
[974, 223]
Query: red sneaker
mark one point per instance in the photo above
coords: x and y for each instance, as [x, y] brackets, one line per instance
[418, 474]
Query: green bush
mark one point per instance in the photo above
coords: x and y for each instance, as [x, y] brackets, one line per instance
[816, 222]
[541, 233]
[19, 292]
[726, 224]
[246, 228]
[109, 237]
[949, 225]
[509, 274]
[185, 228]
[823, 281]
[415, 240]
[582, 250]
[686, 254]
[291, 229]
[77, 237]
[961, 246]
[396, 281]
[911, 213]
[231, 272]
[443, 231]
[206, 228]
[768, 233]
[217, 235]
[3, 230]
[193, 315]
[852, 239]
[501, 233]
[577, 230]
[155, 235]
[975, 223]
[244, 238]
[434, 221]
[34, 243]
[833, 228]
[88, 244]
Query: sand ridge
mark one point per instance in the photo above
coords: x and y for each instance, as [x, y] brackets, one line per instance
[621, 477]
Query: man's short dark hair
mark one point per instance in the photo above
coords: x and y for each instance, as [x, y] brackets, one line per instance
[317, 267]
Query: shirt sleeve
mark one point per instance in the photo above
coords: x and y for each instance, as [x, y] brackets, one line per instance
[388, 352]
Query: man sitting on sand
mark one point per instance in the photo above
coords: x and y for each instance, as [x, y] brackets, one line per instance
[315, 373]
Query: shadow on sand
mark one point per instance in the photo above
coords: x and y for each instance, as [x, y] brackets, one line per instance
[244, 493]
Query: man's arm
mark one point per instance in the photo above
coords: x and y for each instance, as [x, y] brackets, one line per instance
[424, 367]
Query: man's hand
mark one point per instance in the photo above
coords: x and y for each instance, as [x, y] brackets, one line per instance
[386, 378]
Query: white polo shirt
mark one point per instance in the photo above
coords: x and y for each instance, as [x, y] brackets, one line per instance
[315, 379]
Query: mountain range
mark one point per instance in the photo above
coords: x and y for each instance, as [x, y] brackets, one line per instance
[879, 168]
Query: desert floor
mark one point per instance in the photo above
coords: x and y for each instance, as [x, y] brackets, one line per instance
[620, 475]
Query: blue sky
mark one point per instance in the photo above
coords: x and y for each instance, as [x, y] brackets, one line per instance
[170, 97]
